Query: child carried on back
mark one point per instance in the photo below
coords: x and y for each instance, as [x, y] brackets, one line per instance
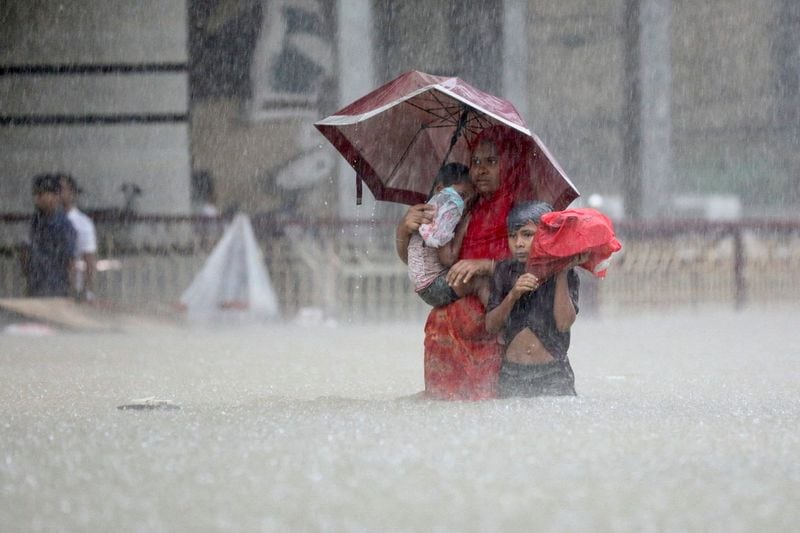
[434, 249]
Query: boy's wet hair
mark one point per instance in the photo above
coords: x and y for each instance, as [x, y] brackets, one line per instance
[450, 174]
[525, 212]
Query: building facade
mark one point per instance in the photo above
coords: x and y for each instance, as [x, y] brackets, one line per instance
[156, 93]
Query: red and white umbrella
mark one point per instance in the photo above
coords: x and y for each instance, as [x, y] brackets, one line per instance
[399, 135]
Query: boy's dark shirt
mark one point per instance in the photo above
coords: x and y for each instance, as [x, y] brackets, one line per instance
[533, 310]
[53, 241]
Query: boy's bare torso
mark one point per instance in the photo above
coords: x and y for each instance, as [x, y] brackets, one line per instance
[527, 349]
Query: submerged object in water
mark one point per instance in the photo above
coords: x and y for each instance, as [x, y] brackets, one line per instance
[149, 404]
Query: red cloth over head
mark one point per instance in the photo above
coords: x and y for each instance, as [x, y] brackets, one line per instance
[561, 235]
[487, 235]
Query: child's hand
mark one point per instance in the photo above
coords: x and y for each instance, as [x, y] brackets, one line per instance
[525, 283]
[578, 260]
[417, 215]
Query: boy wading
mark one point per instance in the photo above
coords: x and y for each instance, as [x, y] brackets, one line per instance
[535, 316]
[531, 327]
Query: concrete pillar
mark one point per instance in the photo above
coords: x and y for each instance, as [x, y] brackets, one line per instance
[647, 131]
[656, 116]
[515, 54]
[356, 78]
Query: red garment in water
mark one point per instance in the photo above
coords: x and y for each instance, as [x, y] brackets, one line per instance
[462, 361]
[563, 234]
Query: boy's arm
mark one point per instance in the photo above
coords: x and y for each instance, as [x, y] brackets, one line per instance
[564, 310]
[497, 317]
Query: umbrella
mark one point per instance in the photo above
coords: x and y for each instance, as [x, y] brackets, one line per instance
[397, 137]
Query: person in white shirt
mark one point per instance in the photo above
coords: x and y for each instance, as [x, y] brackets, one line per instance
[86, 249]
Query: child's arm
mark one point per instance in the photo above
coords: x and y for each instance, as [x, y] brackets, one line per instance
[448, 252]
[563, 310]
[496, 318]
[415, 216]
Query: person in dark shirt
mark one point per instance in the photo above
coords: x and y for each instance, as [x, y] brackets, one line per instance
[52, 241]
[535, 315]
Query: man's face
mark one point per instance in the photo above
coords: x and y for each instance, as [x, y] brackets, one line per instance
[47, 201]
[520, 241]
[67, 194]
[484, 169]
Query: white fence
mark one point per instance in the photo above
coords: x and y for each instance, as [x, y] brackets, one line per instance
[351, 273]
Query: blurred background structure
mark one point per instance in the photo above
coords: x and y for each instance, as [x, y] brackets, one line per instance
[679, 119]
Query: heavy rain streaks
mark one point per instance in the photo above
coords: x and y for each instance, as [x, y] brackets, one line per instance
[251, 353]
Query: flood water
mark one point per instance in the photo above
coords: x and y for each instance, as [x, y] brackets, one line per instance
[685, 421]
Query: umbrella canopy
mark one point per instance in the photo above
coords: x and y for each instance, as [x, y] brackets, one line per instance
[397, 137]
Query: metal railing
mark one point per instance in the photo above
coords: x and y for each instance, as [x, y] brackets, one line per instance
[691, 262]
[350, 271]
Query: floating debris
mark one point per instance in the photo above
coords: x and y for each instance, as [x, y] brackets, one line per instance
[148, 404]
[29, 329]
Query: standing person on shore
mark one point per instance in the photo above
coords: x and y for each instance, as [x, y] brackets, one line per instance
[86, 245]
[50, 258]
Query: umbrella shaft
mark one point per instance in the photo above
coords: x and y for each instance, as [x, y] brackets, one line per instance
[462, 122]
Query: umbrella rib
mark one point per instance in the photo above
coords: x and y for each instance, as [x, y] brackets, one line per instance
[478, 119]
[453, 110]
[476, 124]
[447, 114]
[405, 153]
[446, 118]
